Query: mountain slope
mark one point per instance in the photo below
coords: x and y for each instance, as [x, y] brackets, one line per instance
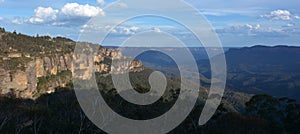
[263, 70]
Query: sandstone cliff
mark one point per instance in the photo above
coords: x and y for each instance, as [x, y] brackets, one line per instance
[43, 74]
[27, 74]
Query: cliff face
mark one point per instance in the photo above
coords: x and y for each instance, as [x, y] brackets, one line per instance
[28, 76]
[106, 62]
[30, 66]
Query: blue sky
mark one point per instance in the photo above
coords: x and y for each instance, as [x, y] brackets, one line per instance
[237, 23]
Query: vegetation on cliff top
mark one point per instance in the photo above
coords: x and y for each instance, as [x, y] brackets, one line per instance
[17, 42]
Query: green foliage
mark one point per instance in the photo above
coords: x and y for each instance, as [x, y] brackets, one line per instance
[44, 82]
[2, 30]
[61, 113]
[283, 113]
[235, 123]
[57, 113]
[262, 104]
[141, 89]
[15, 63]
[36, 46]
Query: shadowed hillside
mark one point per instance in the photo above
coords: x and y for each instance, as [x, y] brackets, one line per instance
[269, 70]
[61, 113]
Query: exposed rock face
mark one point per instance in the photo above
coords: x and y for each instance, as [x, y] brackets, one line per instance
[13, 84]
[31, 74]
[106, 62]
[42, 75]
[5, 78]
[14, 55]
[136, 65]
[19, 81]
[40, 71]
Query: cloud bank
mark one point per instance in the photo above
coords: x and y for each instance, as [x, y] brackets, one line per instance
[280, 15]
[70, 14]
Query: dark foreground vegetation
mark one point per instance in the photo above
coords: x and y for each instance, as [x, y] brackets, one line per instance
[61, 113]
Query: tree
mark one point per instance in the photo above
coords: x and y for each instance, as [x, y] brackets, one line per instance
[283, 113]
[266, 107]
[2, 30]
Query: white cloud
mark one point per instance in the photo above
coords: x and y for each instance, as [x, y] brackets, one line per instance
[125, 30]
[1, 18]
[42, 15]
[290, 25]
[93, 27]
[59, 23]
[241, 28]
[134, 28]
[211, 13]
[70, 14]
[100, 2]
[156, 29]
[279, 15]
[223, 12]
[120, 4]
[297, 17]
[76, 10]
[252, 27]
[254, 30]
[18, 21]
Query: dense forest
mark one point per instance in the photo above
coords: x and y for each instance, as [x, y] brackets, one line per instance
[35, 46]
[61, 113]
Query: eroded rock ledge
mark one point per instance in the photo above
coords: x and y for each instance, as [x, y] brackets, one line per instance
[26, 76]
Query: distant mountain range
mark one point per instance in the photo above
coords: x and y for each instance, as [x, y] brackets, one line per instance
[269, 70]
[255, 70]
[199, 53]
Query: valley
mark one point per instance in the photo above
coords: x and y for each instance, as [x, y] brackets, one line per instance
[37, 92]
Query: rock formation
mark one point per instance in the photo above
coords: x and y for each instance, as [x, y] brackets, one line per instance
[31, 66]
[30, 76]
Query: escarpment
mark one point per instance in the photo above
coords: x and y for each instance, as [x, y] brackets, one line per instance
[31, 66]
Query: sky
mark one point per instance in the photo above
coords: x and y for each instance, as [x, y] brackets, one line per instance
[237, 23]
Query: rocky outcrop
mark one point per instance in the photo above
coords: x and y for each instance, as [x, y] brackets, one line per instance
[105, 62]
[40, 75]
[31, 74]
[136, 66]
